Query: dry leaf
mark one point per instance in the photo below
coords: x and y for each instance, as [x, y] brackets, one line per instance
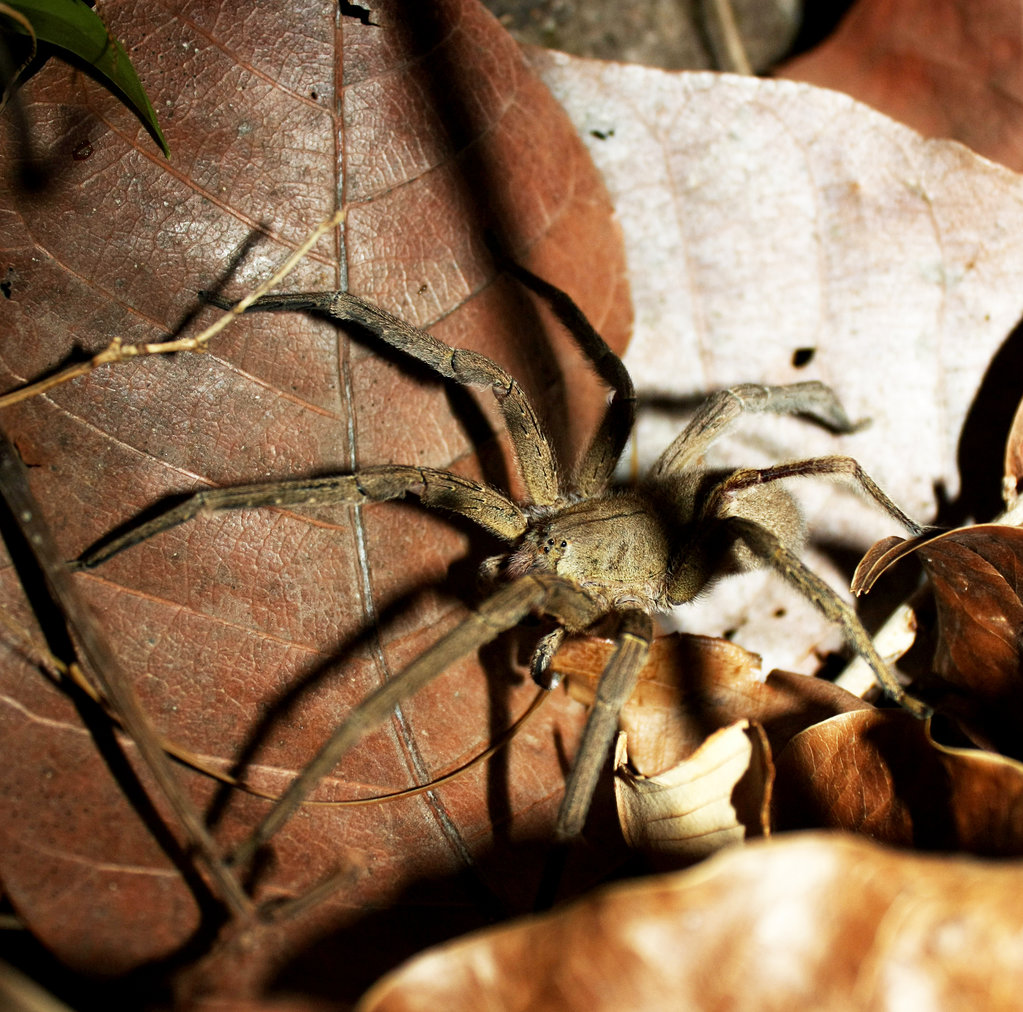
[1012, 479]
[249, 635]
[821, 921]
[692, 686]
[719, 796]
[946, 68]
[879, 773]
[976, 574]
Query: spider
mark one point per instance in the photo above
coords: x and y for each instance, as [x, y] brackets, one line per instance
[579, 550]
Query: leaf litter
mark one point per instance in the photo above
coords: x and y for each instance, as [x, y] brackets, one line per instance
[902, 248]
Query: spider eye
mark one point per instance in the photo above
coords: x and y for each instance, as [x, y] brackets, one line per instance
[564, 544]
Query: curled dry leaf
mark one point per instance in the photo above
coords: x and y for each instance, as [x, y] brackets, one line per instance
[248, 635]
[1012, 477]
[692, 686]
[694, 770]
[819, 920]
[879, 773]
[719, 796]
[977, 577]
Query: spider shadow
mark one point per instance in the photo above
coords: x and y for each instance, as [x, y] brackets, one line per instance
[433, 910]
[76, 355]
[496, 661]
[491, 219]
[980, 453]
[430, 912]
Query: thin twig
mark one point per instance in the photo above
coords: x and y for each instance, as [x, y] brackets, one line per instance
[116, 351]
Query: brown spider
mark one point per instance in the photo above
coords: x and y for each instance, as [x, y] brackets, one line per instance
[579, 550]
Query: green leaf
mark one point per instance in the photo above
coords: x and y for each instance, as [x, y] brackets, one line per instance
[73, 26]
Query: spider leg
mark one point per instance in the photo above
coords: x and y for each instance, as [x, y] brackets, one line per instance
[764, 544]
[532, 449]
[722, 409]
[618, 679]
[502, 610]
[479, 503]
[814, 466]
[595, 468]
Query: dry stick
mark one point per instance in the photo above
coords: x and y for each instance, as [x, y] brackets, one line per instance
[108, 674]
[118, 352]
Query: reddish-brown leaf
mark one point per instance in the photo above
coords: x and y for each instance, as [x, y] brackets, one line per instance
[798, 922]
[977, 577]
[946, 68]
[879, 773]
[250, 634]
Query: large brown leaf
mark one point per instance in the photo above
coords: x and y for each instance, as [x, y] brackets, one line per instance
[818, 921]
[250, 634]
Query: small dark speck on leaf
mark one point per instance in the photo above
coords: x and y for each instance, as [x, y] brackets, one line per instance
[314, 95]
[82, 151]
[602, 135]
[803, 356]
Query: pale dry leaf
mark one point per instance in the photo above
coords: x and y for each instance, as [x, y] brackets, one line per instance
[810, 921]
[717, 797]
[765, 217]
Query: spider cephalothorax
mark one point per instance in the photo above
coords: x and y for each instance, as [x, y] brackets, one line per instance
[578, 551]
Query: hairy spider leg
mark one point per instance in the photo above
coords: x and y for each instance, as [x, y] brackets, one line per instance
[768, 547]
[634, 633]
[532, 450]
[595, 468]
[811, 467]
[810, 585]
[504, 609]
[723, 409]
[478, 502]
